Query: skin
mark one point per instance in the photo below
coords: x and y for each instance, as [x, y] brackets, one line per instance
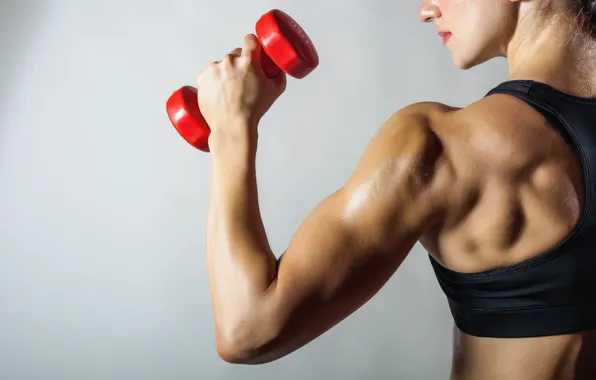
[457, 180]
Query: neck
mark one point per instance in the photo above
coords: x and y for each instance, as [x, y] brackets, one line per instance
[554, 54]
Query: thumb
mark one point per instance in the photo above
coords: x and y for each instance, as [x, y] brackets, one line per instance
[251, 48]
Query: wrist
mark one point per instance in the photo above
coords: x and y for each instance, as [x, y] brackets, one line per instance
[234, 132]
[235, 138]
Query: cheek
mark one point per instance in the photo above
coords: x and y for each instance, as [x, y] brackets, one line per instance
[472, 10]
[469, 18]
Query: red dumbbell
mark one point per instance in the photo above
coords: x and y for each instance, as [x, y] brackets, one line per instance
[286, 47]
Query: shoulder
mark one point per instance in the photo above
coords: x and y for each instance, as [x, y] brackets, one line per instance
[493, 128]
[433, 148]
[414, 129]
[427, 152]
[409, 135]
[404, 175]
[494, 116]
[499, 131]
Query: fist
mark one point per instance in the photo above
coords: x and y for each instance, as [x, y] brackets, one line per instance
[235, 91]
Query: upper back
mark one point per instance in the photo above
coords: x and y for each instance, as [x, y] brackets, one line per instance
[519, 186]
[514, 254]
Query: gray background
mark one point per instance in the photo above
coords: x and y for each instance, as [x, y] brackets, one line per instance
[103, 206]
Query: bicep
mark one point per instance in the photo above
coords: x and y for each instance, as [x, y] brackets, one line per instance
[354, 240]
[330, 270]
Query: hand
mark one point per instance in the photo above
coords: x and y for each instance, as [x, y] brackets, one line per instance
[235, 91]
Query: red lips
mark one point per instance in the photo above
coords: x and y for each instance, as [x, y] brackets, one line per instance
[445, 36]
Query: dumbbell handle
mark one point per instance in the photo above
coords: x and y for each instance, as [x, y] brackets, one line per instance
[269, 67]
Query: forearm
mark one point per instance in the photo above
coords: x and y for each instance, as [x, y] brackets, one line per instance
[240, 262]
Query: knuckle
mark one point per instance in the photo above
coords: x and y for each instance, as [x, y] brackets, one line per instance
[228, 59]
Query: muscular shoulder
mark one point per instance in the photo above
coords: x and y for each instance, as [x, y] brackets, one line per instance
[495, 135]
[405, 174]
[430, 158]
[493, 125]
[411, 139]
[416, 130]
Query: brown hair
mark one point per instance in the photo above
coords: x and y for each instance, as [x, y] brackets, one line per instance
[588, 15]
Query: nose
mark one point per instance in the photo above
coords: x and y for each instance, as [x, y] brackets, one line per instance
[429, 11]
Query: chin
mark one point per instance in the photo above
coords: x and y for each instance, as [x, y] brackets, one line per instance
[463, 64]
[466, 62]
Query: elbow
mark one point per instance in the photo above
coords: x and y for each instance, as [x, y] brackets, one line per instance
[241, 344]
[234, 354]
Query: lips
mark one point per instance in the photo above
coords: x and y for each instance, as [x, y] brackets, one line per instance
[446, 36]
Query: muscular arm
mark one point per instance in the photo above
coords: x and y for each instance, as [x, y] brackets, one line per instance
[341, 255]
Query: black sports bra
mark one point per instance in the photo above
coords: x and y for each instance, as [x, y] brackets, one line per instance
[553, 293]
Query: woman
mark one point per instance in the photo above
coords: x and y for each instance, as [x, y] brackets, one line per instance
[500, 193]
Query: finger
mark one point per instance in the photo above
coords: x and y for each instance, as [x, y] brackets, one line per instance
[212, 65]
[251, 45]
[236, 52]
[251, 53]
[229, 59]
